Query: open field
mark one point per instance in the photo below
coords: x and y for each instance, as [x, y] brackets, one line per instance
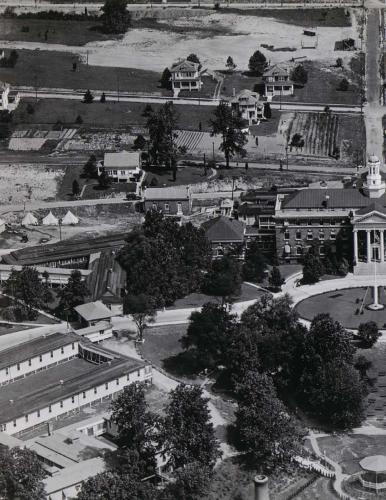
[28, 183]
[104, 115]
[241, 35]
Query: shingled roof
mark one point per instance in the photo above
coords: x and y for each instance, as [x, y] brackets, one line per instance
[224, 229]
[337, 198]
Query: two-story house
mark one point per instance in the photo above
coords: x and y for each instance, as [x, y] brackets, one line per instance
[248, 104]
[124, 166]
[171, 201]
[277, 81]
[9, 99]
[185, 76]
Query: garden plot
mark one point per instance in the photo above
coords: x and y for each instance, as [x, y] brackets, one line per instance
[24, 183]
[318, 130]
[189, 140]
[97, 141]
[33, 140]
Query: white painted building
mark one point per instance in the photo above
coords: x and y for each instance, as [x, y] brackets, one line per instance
[248, 104]
[93, 312]
[124, 166]
[185, 76]
[96, 333]
[56, 275]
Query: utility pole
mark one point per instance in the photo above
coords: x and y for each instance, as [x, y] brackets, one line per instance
[213, 150]
[118, 85]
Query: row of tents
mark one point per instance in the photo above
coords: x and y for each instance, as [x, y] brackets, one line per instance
[50, 220]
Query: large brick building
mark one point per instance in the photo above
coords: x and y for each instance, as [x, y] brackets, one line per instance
[356, 217]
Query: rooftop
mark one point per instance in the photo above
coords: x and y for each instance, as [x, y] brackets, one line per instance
[123, 159]
[29, 349]
[101, 325]
[73, 475]
[223, 229]
[276, 70]
[57, 383]
[93, 311]
[166, 193]
[184, 66]
[337, 198]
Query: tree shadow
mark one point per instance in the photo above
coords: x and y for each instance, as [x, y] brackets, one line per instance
[182, 364]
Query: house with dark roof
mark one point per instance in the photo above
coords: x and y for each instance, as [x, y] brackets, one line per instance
[277, 81]
[225, 235]
[349, 220]
[248, 104]
[185, 76]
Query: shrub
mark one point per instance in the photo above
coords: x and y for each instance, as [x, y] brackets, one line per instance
[343, 85]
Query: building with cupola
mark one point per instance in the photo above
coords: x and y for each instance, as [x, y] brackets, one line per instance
[351, 218]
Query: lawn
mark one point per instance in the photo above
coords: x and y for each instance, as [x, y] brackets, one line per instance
[67, 32]
[342, 306]
[185, 175]
[104, 115]
[248, 292]
[236, 82]
[41, 319]
[322, 86]
[41, 68]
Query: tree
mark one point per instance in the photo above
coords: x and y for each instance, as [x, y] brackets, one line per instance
[209, 334]
[275, 278]
[88, 98]
[116, 18]
[104, 180]
[113, 486]
[162, 124]
[72, 295]
[313, 267]
[141, 308]
[103, 98]
[267, 110]
[224, 279]
[231, 66]
[194, 59]
[368, 333]
[166, 79]
[254, 264]
[343, 85]
[90, 169]
[30, 109]
[75, 188]
[135, 426]
[26, 286]
[148, 110]
[139, 142]
[191, 482]
[188, 433]
[339, 62]
[21, 475]
[229, 125]
[264, 429]
[299, 75]
[257, 63]
[79, 120]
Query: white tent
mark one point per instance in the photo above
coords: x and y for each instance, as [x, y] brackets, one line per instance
[50, 220]
[29, 220]
[70, 219]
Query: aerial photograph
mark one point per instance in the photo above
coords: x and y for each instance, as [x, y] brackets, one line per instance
[192, 250]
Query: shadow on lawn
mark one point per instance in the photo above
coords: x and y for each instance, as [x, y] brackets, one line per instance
[181, 365]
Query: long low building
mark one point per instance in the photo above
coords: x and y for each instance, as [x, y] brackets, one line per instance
[59, 376]
[56, 275]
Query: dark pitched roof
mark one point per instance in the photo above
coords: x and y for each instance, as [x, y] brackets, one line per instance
[224, 229]
[337, 198]
[373, 207]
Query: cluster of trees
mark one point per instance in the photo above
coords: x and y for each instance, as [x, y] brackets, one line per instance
[33, 293]
[115, 16]
[10, 61]
[269, 358]
[164, 261]
[335, 261]
[183, 435]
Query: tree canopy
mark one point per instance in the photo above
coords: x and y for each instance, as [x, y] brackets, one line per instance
[113, 486]
[116, 18]
[224, 279]
[72, 295]
[257, 63]
[299, 75]
[255, 263]
[142, 309]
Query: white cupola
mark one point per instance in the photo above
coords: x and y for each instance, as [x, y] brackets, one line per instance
[374, 187]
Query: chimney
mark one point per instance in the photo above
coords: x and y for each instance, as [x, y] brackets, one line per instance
[49, 428]
[261, 487]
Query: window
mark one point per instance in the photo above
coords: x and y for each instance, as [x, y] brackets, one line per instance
[106, 385]
[117, 381]
[73, 345]
[52, 354]
[14, 423]
[138, 373]
[309, 222]
[321, 250]
[72, 399]
[26, 418]
[123, 172]
[332, 222]
[332, 235]
[29, 362]
[321, 235]
[298, 234]
[84, 395]
[6, 371]
[128, 377]
[40, 358]
[61, 404]
[49, 409]
[310, 236]
[299, 250]
[18, 366]
[179, 208]
[38, 413]
[286, 235]
[95, 390]
[62, 350]
[101, 332]
[167, 208]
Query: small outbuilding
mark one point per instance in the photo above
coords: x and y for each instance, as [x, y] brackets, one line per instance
[93, 312]
[50, 220]
[70, 219]
[29, 220]
[374, 477]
